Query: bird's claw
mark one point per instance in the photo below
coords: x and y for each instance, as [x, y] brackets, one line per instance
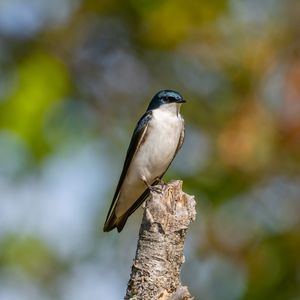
[160, 181]
[156, 189]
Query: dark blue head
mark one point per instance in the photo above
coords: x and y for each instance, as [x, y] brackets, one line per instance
[165, 97]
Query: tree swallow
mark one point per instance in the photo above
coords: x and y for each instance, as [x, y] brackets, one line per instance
[157, 137]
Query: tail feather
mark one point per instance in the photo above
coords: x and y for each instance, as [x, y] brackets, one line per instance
[110, 223]
[114, 222]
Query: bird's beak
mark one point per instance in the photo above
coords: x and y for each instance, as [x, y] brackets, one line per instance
[181, 101]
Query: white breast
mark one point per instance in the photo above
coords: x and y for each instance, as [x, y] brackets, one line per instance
[162, 139]
[153, 157]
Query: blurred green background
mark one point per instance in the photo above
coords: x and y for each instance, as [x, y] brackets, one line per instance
[76, 75]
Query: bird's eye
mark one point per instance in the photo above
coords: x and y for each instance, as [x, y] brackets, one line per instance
[168, 99]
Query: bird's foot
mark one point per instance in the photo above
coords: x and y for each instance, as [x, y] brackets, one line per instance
[160, 181]
[162, 184]
[156, 189]
[153, 189]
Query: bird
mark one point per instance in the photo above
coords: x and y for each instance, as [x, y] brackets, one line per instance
[157, 137]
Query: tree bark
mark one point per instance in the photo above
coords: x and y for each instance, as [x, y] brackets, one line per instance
[156, 268]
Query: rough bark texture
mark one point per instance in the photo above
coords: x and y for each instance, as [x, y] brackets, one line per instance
[159, 256]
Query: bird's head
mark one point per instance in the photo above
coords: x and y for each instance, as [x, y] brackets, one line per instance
[165, 97]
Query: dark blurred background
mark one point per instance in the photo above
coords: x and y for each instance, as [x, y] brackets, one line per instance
[76, 75]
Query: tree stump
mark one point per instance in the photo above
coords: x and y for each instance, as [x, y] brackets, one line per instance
[156, 268]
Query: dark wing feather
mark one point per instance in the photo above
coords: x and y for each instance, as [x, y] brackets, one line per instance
[143, 197]
[132, 209]
[136, 140]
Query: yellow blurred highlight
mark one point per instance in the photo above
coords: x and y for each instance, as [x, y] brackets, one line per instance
[30, 256]
[42, 80]
[245, 142]
[167, 23]
[166, 26]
